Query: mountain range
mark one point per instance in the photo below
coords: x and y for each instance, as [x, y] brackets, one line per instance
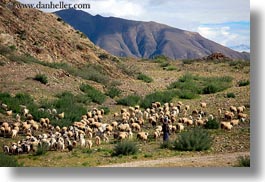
[127, 38]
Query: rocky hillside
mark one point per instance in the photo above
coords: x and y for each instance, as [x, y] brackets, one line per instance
[128, 38]
[45, 37]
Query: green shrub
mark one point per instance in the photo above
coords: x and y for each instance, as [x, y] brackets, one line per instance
[67, 103]
[42, 149]
[243, 83]
[130, 100]
[196, 139]
[171, 68]
[8, 161]
[41, 78]
[243, 161]
[113, 92]
[125, 148]
[187, 94]
[188, 61]
[212, 124]
[105, 108]
[166, 145]
[160, 59]
[144, 78]
[191, 85]
[230, 95]
[239, 64]
[95, 95]
[164, 64]
[159, 96]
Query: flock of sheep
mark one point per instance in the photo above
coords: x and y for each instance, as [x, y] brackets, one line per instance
[93, 130]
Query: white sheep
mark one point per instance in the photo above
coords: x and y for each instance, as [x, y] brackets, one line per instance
[89, 144]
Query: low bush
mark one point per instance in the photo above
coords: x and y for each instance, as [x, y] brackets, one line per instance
[164, 64]
[41, 78]
[113, 92]
[159, 96]
[166, 145]
[144, 78]
[243, 83]
[105, 108]
[95, 95]
[42, 149]
[196, 139]
[212, 124]
[130, 100]
[243, 161]
[187, 94]
[171, 68]
[8, 161]
[191, 85]
[188, 61]
[239, 64]
[230, 95]
[125, 148]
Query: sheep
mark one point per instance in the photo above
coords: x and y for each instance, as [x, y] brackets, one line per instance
[82, 142]
[180, 127]
[61, 115]
[229, 115]
[6, 149]
[89, 144]
[233, 109]
[122, 135]
[9, 113]
[97, 140]
[24, 111]
[226, 125]
[5, 124]
[14, 133]
[203, 104]
[142, 136]
[136, 127]
[199, 122]
[18, 118]
[234, 122]
[4, 106]
[241, 115]
[189, 122]
[156, 135]
[60, 145]
[241, 109]
[219, 111]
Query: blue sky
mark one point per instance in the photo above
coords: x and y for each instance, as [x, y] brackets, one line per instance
[224, 21]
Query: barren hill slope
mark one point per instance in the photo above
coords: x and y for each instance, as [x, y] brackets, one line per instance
[45, 37]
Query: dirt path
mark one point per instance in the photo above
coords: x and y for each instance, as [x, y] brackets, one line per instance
[215, 160]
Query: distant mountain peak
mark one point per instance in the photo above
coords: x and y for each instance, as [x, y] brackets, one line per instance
[139, 39]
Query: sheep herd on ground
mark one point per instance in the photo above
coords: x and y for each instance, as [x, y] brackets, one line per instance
[91, 130]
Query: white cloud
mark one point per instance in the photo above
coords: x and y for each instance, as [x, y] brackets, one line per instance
[222, 35]
[116, 8]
